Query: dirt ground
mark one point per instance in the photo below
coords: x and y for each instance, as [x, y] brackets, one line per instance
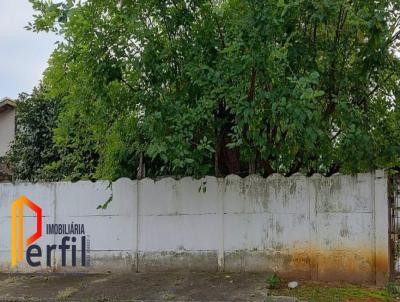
[131, 287]
[141, 287]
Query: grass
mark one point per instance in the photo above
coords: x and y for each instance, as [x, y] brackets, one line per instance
[66, 293]
[317, 292]
[169, 297]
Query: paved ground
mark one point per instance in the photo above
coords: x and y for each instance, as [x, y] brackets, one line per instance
[131, 287]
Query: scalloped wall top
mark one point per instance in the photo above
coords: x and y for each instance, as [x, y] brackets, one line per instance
[227, 177]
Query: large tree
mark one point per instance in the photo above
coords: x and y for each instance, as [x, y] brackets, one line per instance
[33, 147]
[196, 87]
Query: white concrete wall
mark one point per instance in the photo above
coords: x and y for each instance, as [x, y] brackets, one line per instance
[7, 130]
[317, 228]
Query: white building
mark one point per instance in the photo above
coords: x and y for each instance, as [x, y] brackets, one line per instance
[7, 132]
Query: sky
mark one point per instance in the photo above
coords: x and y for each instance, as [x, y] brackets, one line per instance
[23, 54]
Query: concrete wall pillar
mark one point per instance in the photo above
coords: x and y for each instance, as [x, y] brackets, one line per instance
[313, 252]
[381, 223]
[221, 212]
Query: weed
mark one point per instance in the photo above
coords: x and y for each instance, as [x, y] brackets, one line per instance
[392, 288]
[66, 293]
[273, 281]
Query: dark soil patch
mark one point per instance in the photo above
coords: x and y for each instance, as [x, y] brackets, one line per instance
[131, 287]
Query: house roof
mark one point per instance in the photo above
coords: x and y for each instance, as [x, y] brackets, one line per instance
[6, 104]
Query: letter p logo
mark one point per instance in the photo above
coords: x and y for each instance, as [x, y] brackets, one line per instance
[17, 232]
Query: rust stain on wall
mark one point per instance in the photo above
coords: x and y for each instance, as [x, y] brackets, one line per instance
[352, 265]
